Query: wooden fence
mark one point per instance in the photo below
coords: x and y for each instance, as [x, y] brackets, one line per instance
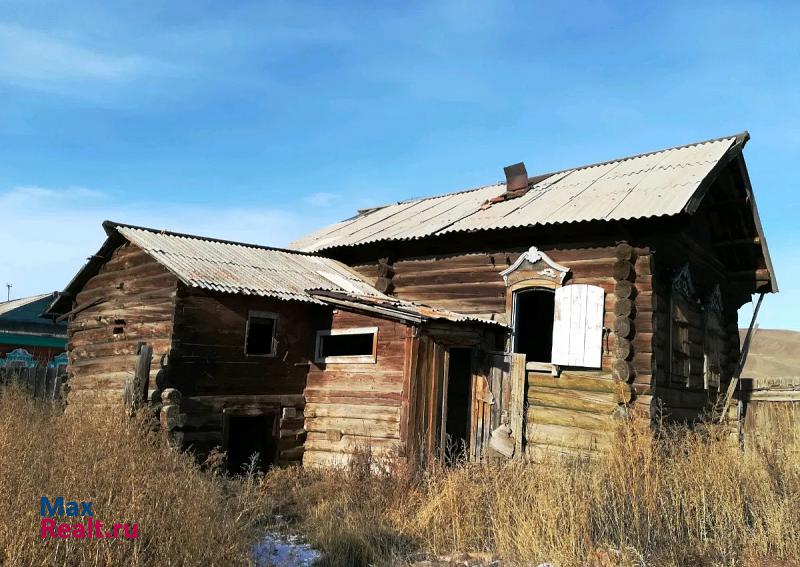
[43, 382]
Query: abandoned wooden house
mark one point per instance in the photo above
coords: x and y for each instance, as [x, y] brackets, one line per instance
[517, 317]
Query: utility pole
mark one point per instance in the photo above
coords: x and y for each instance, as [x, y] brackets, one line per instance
[8, 291]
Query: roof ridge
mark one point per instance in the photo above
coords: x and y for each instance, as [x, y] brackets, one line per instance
[29, 298]
[740, 137]
[110, 225]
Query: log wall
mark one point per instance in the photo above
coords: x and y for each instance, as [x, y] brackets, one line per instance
[357, 407]
[671, 400]
[210, 367]
[135, 302]
[575, 410]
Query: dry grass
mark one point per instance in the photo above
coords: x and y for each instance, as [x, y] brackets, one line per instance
[186, 516]
[686, 498]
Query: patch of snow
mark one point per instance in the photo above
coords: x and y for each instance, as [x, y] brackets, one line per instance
[279, 551]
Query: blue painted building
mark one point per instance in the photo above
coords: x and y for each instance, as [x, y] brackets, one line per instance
[25, 334]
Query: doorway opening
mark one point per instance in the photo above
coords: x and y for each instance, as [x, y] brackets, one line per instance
[533, 324]
[247, 435]
[459, 389]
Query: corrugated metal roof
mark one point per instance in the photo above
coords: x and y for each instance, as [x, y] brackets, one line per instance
[649, 185]
[14, 304]
[245, 269]
[387, 304]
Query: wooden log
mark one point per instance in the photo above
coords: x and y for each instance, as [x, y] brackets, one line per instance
[571, 418]
[623, 270]
[623, 327]
[624, 289]
[171, 417]
[351, 444]
[560, 435]
[622, 370]
[623, 251]
[598, 402]
[384, 285]
[622, 349]
[372, 429]
[568, 380]
[385, 413]
[623, 307]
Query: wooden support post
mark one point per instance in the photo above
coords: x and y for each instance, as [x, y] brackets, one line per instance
[742, 359]
[135, 393]
[517, 401]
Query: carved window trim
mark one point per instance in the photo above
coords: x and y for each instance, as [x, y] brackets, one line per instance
[713, 340]
[680, 348]
[554, 271]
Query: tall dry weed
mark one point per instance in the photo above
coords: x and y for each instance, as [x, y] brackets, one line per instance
[185, 516]
[683, 497]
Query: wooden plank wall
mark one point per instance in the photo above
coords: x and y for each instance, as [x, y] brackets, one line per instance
[138, 297]
[352, 407]
[210, 367]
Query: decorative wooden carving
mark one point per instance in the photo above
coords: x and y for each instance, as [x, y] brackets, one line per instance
[538, 262]
[682, 282]
[714, 301]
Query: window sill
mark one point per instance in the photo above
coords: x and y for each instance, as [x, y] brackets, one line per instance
[366, 359]
[542, 367]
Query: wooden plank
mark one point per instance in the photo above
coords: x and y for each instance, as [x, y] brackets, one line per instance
[577, 324]
[517, 401]
[568, 417]
[601, 383]
[562, 319]
[598, 402]
[386, 413]
[593, 340]
[566, 436]
[369, 428]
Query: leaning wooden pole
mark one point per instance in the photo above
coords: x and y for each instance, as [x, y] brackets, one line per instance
[740, 365]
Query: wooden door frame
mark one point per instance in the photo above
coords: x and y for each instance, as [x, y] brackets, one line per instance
[265, 411]
[445, 390]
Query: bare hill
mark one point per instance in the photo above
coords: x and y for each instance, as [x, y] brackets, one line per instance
[773, 353]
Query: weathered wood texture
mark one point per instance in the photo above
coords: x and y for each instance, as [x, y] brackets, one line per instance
[667, 398]
[572, 411]
[210, 366]
[354, 408]
[135, 303]
[471, 283]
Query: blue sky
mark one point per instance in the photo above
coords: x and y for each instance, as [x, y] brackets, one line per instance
[262, 121]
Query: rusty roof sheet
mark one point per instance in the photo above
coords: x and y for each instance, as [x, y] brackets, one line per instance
[402, 306]
[656, 184]
[246, 269]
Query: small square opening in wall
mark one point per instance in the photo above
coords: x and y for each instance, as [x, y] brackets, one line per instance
[347, 345]
[260, 334]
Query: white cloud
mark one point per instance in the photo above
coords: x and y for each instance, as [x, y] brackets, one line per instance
[42, 61]
[47, 233]
[321, 199]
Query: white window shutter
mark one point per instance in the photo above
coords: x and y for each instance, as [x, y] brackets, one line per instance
[578, 326]
[561, 325]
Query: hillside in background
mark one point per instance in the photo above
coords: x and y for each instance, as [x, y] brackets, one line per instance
[773, 352]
